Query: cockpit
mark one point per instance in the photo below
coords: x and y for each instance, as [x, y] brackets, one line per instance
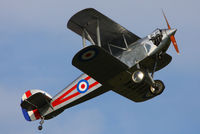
[156, 37]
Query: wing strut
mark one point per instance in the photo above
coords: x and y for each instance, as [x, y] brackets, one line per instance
[83, 39]
[85, 33]
[122, 48]
[125, 42]
[98, 34]
[111, 45]
[88, 36]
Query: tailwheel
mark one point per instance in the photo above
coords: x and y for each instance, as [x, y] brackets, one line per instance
[41, 123]
[40, 127]
[157, 88]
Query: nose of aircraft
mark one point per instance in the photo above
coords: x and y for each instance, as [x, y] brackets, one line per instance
[171, 32]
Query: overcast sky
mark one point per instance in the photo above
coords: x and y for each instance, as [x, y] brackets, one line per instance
[36, 50]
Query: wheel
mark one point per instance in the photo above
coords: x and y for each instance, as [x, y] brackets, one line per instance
[138, 76]
[39, 127]
[157, 88]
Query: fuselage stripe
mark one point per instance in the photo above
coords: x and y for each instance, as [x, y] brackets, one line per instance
[87, 78]
[69, 91]
[61, 99]
[94, 84]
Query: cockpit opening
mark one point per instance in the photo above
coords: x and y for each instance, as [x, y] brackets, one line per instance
[156, 37]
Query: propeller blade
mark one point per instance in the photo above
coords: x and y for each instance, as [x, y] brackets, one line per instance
[172, 38]
[166, 20]
[174, 43]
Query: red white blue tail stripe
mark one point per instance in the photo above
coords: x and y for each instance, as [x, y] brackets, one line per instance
[33, 114]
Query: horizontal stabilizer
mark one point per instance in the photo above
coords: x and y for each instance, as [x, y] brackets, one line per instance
[36, 101]
[32, 102]
[28, 105]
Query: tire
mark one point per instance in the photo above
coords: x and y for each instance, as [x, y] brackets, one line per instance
[157, 88]
[39, 127]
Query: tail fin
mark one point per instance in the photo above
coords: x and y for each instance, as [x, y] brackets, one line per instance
[31, 103]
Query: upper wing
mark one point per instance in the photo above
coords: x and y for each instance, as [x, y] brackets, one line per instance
[110, 31]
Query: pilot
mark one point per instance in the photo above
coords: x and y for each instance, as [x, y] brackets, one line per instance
[157, 38]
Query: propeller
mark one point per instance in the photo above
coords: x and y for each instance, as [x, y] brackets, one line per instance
[172, 38]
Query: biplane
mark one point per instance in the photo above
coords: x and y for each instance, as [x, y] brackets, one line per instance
[116, 60]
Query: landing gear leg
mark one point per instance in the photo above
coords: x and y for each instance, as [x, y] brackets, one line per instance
[151, 75]
[41, 123]
[156, 86]
[155, 65]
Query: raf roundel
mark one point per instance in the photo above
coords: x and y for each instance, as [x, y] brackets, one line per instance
[82, 86]
[88, 54]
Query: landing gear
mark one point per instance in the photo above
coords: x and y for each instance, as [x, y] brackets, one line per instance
[40, 127]
[41, 123]
[157, 87]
